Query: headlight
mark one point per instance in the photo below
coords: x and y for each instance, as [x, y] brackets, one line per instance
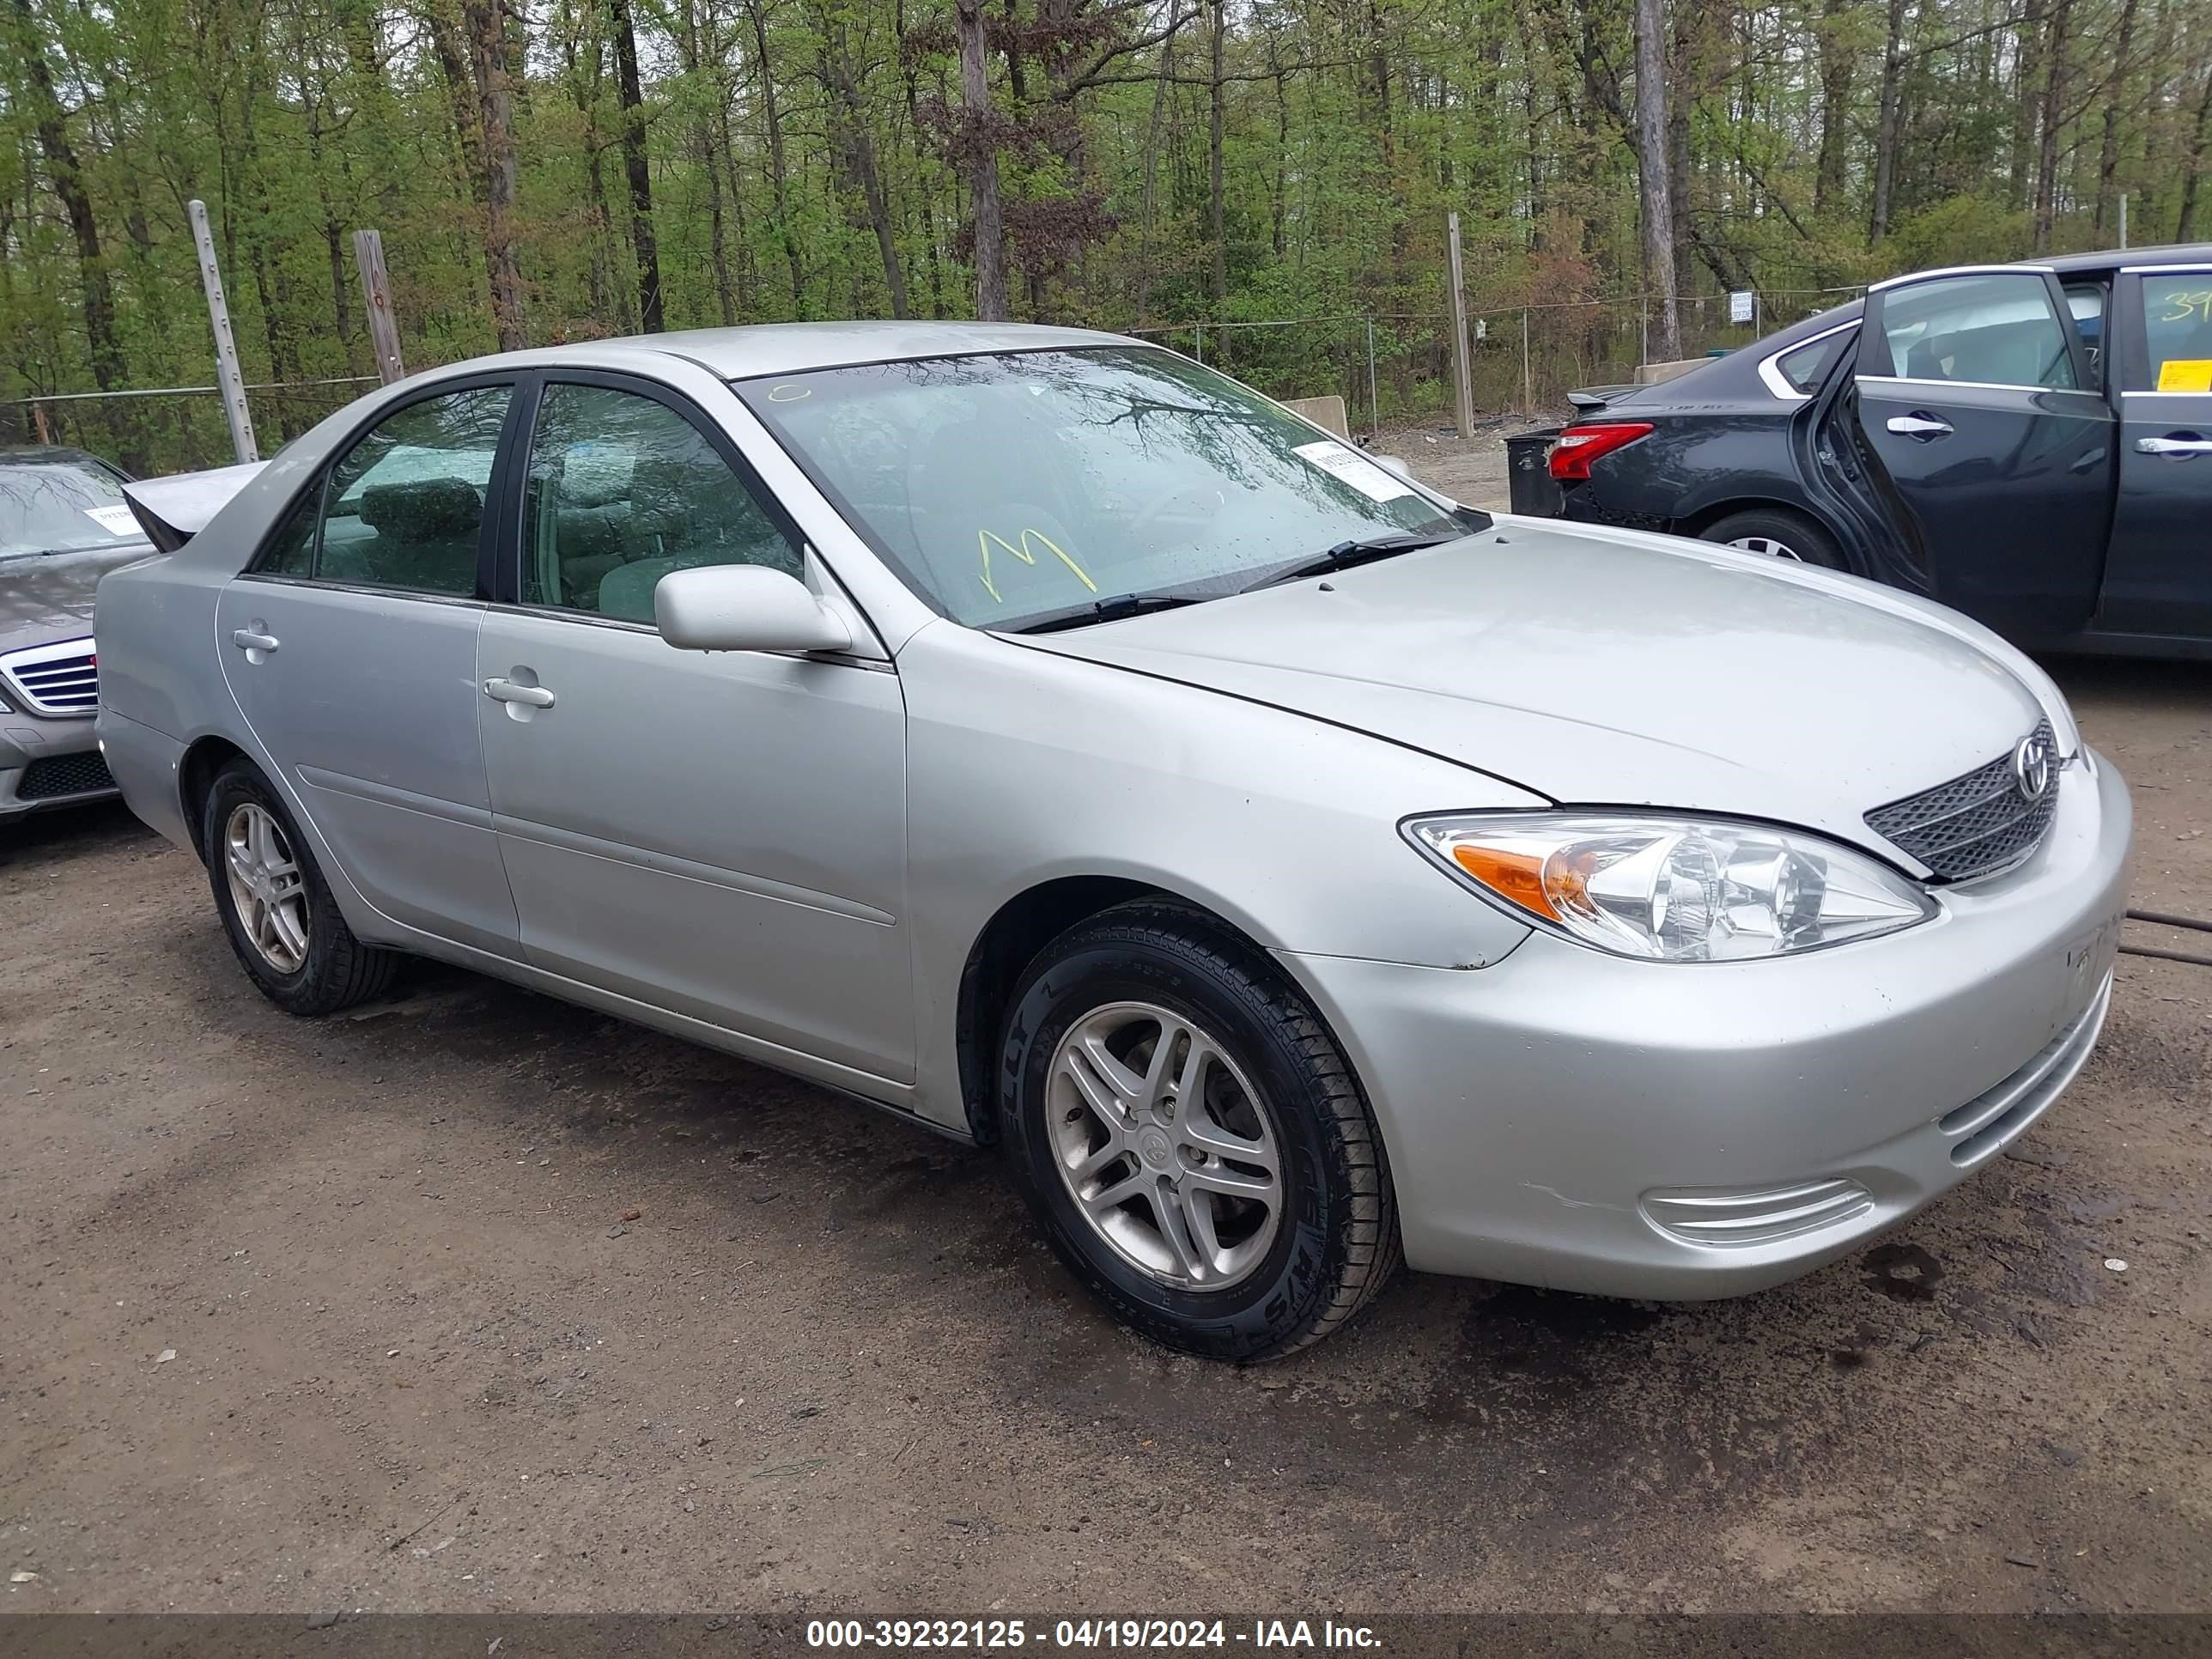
[1673, 889]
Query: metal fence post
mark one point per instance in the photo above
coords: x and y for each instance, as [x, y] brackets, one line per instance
[1527, 380]
[225, 348]
[376, 293]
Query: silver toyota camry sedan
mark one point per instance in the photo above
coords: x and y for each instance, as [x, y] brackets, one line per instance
[1037, 734]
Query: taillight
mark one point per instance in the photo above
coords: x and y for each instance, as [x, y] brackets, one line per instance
[1573, 450]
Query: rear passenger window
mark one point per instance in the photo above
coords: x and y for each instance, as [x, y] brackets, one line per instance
[2177, 327]
[1807, 366]
[405, 505]
[622, 490]
[1995, 328]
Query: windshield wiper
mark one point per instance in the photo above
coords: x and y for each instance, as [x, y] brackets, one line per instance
[1105, 611]
[1345, 555]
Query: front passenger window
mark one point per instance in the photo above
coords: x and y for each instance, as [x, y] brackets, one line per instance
[622, 490]
[405, 505]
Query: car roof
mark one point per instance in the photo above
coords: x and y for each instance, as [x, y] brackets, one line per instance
[738, 353]
[2177, 253]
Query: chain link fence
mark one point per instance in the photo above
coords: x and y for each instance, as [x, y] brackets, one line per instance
[165, 430]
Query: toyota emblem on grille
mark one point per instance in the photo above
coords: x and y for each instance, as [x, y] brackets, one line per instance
[2031, 766]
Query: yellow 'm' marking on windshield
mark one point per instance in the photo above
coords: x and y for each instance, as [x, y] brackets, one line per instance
[984, 538]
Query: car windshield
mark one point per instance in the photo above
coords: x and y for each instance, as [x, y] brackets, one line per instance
[61, 507]
[1013, 487]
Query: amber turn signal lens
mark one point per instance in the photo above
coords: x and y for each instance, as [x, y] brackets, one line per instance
[1515, 876]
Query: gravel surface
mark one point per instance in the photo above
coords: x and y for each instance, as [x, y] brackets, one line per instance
[471, 1300]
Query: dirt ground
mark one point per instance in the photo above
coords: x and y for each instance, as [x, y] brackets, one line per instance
[1470, 469]
[470, 1300]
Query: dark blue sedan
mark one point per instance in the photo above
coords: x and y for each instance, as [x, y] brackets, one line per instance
[2030, 443]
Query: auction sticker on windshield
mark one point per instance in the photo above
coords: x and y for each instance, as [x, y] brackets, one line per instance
[115, 520]
[1354, 469]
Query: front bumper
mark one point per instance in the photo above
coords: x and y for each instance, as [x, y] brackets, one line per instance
[1574, 1119]
[49, 762]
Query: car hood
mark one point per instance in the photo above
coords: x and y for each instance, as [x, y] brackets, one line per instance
[45, 597]
[1604, 668]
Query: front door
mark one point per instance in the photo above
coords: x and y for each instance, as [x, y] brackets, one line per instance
[1978, 410]
[2158, 578]
[350, 645]
[720, 834]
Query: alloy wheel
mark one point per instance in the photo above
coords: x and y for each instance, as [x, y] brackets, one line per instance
[267, 886]
[1767, 545]
[1164, 1145]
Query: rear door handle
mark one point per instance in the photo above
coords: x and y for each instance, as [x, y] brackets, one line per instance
[2180, 444]
[246, 639]
[1925, 427]
[537, 696]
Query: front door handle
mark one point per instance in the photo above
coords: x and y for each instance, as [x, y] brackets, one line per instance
[534, 696]
[1925, 427]
[248, 639]
[2180, 444]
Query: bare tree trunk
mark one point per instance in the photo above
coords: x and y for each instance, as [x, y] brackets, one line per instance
[1152, 168]
[2028, 103]
[850, 123]
[1215, 206]
[777, 180]
[2053, 116]
[1828, 180]
[2108, 154]
[1651, 169]
[2200, 152]
[67, 177]
[637, 167]
[1887, 123]
[982, 165]
[488, 56]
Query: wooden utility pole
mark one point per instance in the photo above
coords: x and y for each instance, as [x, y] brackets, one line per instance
[1658, 203]
[1462, 377]
[376, 293]
[226, 347]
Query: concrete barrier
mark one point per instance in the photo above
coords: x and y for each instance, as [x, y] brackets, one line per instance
[1323, 411]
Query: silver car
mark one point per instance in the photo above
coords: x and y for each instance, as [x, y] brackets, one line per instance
[1036, 733]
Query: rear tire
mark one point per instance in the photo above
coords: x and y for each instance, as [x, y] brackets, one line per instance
[1259, 1216]
[1779, 534]
[282, 922]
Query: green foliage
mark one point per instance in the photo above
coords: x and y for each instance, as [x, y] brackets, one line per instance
[801, 165]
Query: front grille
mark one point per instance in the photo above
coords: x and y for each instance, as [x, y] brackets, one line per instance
[63, 775]
[1975, 825]
[54, 679]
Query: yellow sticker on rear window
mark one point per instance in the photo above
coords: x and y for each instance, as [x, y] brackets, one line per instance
[2185, 374]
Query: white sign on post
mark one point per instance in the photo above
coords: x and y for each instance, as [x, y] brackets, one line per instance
[1739, 301]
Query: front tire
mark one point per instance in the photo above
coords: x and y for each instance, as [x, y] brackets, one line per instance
[1780, 534]
[1192, 1139]
[282, 922]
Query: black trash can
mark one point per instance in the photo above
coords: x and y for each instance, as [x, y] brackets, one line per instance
[1529, 474]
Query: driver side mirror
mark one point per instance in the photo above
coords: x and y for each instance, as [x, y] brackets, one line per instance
[744, 607]
[1394, 463]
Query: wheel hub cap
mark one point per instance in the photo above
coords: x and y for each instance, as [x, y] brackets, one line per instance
[266, 886]
[1166, 1149]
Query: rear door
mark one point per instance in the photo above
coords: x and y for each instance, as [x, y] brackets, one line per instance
[1978, 408]
[2158, 577]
